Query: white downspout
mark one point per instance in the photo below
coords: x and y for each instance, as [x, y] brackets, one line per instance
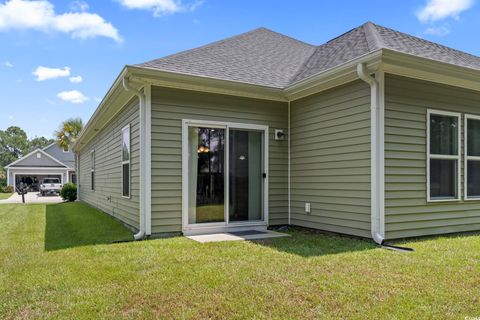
[289, 169]
[141, 97]
[377, 154]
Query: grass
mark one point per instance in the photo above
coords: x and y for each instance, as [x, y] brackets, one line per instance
[210, 213]
[58, 261]
[4, 196]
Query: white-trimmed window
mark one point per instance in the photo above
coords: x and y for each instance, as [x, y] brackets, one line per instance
[472, 157]
[126, 162]
[92, 169]
[443, 155]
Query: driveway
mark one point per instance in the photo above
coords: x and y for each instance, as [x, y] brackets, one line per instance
[32, 197]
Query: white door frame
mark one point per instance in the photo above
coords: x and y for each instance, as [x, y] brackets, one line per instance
[226, 225]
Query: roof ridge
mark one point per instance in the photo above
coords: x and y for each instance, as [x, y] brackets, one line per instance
[374, 39]
[223, 41]
[288, 37]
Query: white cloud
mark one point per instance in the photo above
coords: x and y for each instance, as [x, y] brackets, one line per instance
[76, 79]
[40, 15]
[97, 99]
[11, 117]
[160, 7]
[435, 10]
[438, 31]
[81, 6]
[45, 73]
[73, 96]
[7, 64]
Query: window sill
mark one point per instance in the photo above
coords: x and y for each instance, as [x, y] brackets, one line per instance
[471, 199]
[444, 200]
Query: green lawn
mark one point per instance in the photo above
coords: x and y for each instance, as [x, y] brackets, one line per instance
[5, 195]
[58, 261]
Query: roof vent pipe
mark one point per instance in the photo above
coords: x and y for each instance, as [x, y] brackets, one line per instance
[141, 97]
[377, 228]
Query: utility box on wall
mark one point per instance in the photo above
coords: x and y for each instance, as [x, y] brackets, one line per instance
[279, 134]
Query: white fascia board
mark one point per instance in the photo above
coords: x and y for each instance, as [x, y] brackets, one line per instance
[411, 66]
[101, 109]
[40, 168]
[204, 84]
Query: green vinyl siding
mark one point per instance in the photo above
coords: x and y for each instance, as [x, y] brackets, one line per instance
[107, 144]
[169, 107]
[407, 212]
[330, 160]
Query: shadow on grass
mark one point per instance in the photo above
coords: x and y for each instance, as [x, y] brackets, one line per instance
[311, 243]
[76, 224]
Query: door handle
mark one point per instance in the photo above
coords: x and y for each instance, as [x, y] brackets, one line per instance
[264, 175]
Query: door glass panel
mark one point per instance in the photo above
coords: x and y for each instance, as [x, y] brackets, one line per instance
[245, 175]
[206, 175]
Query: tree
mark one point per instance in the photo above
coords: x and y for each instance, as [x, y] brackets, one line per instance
[13, 145]
[68, 132]
[40, 143]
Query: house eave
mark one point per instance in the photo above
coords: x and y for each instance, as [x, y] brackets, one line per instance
[412, 66]
[389, 61]
[204, 84]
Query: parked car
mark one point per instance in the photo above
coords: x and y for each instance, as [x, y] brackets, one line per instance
[50, 186]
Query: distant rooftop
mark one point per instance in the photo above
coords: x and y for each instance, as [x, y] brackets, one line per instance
[267, 58]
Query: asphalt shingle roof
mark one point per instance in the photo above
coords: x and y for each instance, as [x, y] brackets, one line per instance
[267, 58]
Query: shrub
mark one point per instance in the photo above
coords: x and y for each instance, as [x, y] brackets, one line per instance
[69, 192]
[7, 189]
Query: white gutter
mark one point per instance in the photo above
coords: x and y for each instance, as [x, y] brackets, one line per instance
[377, 152]
[141, 97]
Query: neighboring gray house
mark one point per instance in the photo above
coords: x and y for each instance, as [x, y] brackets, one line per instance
[49, 162]
[375, 133]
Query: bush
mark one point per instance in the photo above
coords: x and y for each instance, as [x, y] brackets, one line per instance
[69, 192]
[7, 189]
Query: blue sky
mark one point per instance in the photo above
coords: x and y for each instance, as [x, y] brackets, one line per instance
[58, 58]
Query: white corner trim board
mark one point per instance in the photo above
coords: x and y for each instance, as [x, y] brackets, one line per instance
[377, 130]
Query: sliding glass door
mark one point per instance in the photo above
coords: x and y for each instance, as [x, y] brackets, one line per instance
[225, 174]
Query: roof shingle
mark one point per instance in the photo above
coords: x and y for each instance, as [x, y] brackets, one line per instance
[266, 58]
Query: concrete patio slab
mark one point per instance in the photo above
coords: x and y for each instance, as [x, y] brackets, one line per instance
[237, 236]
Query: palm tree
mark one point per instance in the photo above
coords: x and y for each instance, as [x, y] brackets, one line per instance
[68, 132]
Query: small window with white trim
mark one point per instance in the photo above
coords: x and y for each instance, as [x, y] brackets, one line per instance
[92, 169]
[126, 162]
[472, 157]
[443, 160]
